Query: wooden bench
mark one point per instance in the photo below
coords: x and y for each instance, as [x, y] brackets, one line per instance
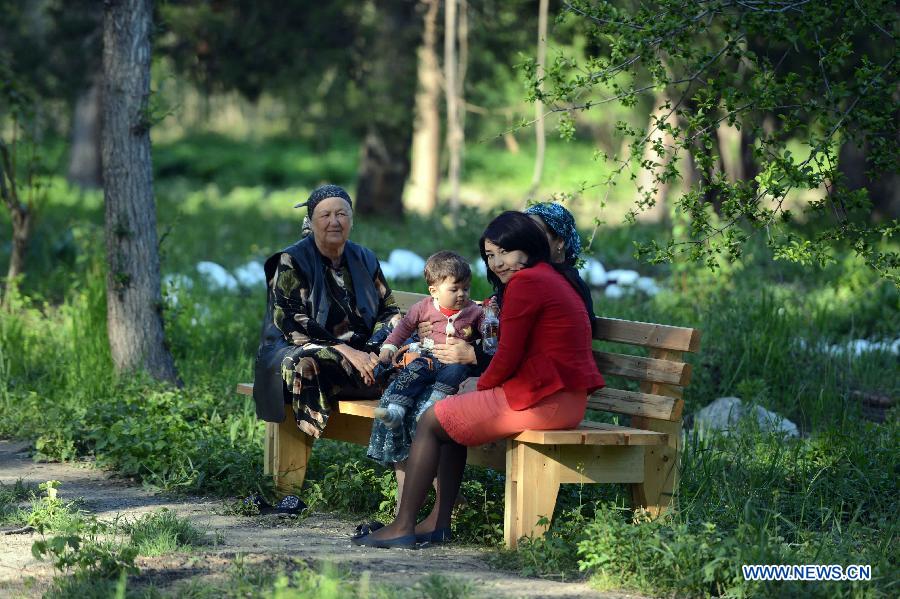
[643, 455]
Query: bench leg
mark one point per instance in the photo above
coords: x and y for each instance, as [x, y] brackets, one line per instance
[656, 493]
[532, 484]
[269, 449]
[292, 448]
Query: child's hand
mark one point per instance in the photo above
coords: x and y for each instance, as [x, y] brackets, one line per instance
[386, 355]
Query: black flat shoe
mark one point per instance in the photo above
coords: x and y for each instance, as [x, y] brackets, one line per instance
[435, 537]
[289, 504]
[365, 528]
[404, 542]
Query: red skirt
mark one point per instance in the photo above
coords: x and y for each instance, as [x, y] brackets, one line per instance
[483, 416]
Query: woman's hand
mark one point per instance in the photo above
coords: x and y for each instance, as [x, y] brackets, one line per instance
[424, 329]
[455, 351]
[363, 362]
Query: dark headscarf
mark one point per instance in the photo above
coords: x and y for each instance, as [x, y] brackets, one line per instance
[320, 193]
[562, 223]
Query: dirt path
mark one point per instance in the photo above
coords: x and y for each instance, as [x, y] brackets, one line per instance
[319, 538]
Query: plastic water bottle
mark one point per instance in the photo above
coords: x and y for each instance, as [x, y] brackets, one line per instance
[490, 327]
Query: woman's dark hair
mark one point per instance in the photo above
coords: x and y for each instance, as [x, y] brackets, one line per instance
[514, 231]
[517, 231]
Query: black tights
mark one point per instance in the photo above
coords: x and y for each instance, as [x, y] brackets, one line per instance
[433, 453]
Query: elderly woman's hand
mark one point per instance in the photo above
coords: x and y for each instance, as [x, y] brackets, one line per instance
[363, 362]
[455, 351]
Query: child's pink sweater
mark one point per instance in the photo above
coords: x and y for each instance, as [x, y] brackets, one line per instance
[467, 322]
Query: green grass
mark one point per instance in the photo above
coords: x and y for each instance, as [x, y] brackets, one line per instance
[829, 497]
[163, 532]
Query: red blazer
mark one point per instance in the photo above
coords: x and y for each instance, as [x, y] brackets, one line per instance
[545, 340]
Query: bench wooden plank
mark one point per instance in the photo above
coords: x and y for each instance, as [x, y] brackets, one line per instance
[634, 403]
[643, 369]
[584, 464]
[406, 299]
[593, 433]
[647, 334]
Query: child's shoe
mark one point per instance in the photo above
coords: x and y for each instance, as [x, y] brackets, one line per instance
[435, 397]
[391, 416]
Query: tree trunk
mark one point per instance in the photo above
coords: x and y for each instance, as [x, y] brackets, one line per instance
[20, 214]
[426, 147]
[884, 192]
[390, 85]
[647, 182]
[451, 87]
[540, 135]
[85, 167]
[134, 301]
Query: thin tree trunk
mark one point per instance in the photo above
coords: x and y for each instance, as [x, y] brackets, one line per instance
[426, 148]
[647, 181]
[85, 167]
[454, 135]
[391, 92]
[134, 301]
[540, 135]
[21, 215]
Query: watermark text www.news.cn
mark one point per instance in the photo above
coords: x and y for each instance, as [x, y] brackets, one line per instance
[806, 572]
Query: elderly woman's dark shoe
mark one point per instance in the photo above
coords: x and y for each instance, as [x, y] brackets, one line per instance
[404, 542]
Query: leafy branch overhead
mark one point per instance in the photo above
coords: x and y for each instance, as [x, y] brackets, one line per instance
[801, 82]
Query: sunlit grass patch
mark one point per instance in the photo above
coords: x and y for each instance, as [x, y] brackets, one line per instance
[163, 532]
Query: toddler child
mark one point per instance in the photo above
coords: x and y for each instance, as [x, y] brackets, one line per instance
[451, 314]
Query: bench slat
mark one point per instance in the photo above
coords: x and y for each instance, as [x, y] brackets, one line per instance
[633, 403]
[406, 299]
[647, 334]
[644, 369]
[593, 433]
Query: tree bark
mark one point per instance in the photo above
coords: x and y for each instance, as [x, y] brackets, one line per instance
[451, 87]
[646, 178]
[85, 168]
[426, 147]
[21, 215]
[884, 192]
[391, 89]
[540, 135]
[134, 300]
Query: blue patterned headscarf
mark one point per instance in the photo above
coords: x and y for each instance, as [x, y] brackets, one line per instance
[562, 223]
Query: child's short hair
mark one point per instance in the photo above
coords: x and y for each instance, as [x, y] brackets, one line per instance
[446, 265]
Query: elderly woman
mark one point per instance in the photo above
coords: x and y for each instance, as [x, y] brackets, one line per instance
[327, 303]
[539, 378]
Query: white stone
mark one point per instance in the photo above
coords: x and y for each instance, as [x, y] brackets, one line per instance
[854, 347]
[647, 285]
[217, 276]
[623, 277]
[388, 270]
[251, 274]
[173, 284]
[407, 264]
[613, 291]
[594, 273]
[725, 413]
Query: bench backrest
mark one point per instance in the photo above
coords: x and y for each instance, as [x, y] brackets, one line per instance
[661, 376]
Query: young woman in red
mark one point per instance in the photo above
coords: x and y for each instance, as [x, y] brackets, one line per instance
[539, 378]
